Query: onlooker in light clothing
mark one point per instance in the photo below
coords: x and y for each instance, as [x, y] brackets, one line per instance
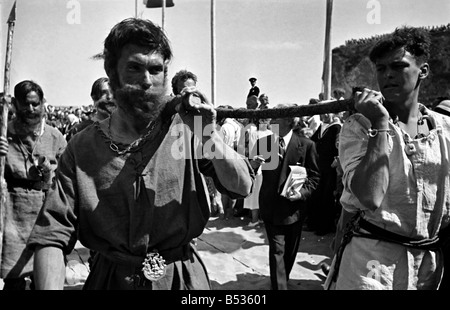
[231, 131]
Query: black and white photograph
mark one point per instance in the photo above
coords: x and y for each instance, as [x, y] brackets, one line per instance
[225, 148]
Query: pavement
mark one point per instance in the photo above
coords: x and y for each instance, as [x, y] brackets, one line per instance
[236, 257]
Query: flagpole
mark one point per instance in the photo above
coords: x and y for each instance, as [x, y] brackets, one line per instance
[135, 8]
[213, 53]
[327, 66]
[163, 16]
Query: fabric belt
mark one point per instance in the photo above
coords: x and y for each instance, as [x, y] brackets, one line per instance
[353, 229]
[27, 184]
[378, 233]
[170, 255]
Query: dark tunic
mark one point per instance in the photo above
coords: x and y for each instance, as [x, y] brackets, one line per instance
[254, 91]
[123, 207]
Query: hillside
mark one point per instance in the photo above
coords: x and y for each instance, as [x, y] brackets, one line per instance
[352, 66]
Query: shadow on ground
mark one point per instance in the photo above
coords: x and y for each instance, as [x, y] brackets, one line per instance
[250, 281]
[244, 281]
[236, 257]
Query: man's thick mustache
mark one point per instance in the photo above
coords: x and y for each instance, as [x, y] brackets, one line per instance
[29, 118]
[138, 102]
[29, 115]
[136, 94]
[107, 105]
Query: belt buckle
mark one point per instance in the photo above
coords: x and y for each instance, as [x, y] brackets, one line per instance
[154, 266]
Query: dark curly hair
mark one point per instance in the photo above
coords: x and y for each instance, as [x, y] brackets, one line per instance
[141, 32]
[414, 40]
[182, 75]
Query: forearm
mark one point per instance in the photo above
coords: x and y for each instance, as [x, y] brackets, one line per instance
[231, 168]
[371, 176]
[49, 268]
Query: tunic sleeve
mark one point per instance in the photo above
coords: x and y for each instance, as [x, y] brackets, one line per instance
[206, 167]
[58, 210]
[352, 148]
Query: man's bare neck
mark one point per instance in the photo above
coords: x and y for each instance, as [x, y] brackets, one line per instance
[408, 109]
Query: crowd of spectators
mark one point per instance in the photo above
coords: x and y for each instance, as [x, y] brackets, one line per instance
[65, 118]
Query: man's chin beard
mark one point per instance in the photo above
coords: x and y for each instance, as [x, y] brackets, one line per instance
[30, 121]
[138, 103]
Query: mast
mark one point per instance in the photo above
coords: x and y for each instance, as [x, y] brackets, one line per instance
[213, 53]
[327, 65]
[163, 8]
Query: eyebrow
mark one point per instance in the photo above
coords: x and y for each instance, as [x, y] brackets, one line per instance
[395, 62]
[398, 61]
[140, 59]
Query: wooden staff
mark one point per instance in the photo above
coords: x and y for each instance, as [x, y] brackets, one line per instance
[331, 106]
[4, 105]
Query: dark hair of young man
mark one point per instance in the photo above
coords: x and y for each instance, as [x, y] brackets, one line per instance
[414, 40]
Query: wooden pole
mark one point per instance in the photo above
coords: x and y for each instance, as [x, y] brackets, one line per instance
[135, 8]
[163, 7]
[4, 105]
[327, 66]
[213, 53]
[330, 106]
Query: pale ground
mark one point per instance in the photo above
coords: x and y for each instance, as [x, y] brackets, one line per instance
[236, 257]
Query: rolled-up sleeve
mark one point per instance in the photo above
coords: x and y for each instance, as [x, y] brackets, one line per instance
[353, 142]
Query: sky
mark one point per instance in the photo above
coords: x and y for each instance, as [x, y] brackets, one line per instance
[280, 42]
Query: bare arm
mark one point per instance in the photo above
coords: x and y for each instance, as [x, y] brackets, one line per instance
[49, 268]
[371, 177]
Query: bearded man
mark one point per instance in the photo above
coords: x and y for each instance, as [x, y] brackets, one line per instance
[123, 190]
[32, 149]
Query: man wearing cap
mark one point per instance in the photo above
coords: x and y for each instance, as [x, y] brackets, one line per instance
[254, 90]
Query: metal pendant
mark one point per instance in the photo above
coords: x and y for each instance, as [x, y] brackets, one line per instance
[410, 149]
[154, 266]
